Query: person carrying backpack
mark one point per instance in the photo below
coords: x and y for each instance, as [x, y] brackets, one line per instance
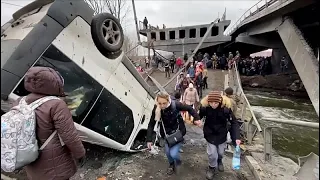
[172, 128]
[48, 124]
[215, 131]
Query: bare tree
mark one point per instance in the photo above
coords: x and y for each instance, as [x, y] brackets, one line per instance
[98, 6]
[128, 45]
[118, 8]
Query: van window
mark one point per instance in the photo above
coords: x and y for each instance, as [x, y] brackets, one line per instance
[80, 88]
[111, 118]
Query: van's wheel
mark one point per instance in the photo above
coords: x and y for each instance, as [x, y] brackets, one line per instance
[107, 34]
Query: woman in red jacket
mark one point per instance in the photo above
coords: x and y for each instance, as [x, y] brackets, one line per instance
[179, 63]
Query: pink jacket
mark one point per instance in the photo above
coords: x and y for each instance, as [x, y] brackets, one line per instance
[190, 96]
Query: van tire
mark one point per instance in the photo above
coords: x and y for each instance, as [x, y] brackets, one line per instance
[105, 24]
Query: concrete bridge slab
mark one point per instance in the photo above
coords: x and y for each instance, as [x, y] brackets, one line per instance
[303, 58]
[260, 41]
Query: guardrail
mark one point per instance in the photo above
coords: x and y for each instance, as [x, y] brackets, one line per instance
[258, 7]
[268, 132]
[251, 125]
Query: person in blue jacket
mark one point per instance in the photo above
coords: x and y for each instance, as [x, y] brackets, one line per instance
[191, 71]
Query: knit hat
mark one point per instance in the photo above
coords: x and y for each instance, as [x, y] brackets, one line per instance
[214, 96]
[228, 91]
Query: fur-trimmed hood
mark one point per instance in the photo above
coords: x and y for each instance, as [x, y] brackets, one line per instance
[226, 102]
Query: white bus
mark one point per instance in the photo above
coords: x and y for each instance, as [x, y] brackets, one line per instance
[109, 100]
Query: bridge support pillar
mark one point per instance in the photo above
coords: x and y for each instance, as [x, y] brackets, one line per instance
[303, 59]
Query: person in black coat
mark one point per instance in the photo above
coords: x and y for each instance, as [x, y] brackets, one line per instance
[168, 111]
[223, 62]
[218, 120]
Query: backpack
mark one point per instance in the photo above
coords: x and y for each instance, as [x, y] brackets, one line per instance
[19, 145]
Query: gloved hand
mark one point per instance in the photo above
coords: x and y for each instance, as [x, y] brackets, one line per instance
[81, 161]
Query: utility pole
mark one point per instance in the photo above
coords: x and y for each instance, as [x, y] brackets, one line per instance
[136, 21]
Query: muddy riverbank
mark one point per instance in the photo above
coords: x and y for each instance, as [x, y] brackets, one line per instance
[277, 84]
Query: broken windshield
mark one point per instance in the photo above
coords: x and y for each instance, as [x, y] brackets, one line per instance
[7, 48]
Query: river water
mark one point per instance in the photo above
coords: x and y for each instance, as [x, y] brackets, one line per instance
[290, 141]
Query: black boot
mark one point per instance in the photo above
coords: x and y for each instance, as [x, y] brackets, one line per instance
[220, 165]
[211, 171]
[170, 169]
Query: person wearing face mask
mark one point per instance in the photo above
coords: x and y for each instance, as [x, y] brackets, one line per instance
[215, 129]
[167, 113]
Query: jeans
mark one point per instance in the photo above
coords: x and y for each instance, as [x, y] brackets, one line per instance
[173, 153]
[215, 153]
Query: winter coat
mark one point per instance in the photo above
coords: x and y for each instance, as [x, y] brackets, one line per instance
[170, 120]
[191, 96]
[198, 80]
[191, 72]
[217, 124]
[185, 83]
[55, 162]
[223, 60]
[204, 73]
[226, 102]
[179, 62]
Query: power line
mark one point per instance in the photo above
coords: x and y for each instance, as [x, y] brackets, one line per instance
[12, 4]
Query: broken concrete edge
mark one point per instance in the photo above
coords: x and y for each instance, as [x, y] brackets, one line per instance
[147, 72]
[150, 71]
[255, 168]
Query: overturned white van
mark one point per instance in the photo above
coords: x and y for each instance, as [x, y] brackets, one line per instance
[109, 100]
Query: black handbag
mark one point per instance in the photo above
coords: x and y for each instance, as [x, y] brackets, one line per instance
[174, 138]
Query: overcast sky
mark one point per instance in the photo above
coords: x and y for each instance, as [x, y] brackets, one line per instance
[170, 13]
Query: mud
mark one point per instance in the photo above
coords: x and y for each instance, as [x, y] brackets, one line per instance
[194, 159]
[275, 83]
[104, 162]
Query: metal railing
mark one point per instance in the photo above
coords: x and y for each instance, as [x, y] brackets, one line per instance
[251, 125]
[190, 58]
[268, 132]
[258, 7]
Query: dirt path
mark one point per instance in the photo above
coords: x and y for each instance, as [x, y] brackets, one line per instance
[124, 166]
[146, 166]
[215, 80]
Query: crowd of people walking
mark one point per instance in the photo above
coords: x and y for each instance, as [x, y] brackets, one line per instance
[217, 110]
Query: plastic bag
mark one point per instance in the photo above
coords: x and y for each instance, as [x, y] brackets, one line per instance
[154, 150]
